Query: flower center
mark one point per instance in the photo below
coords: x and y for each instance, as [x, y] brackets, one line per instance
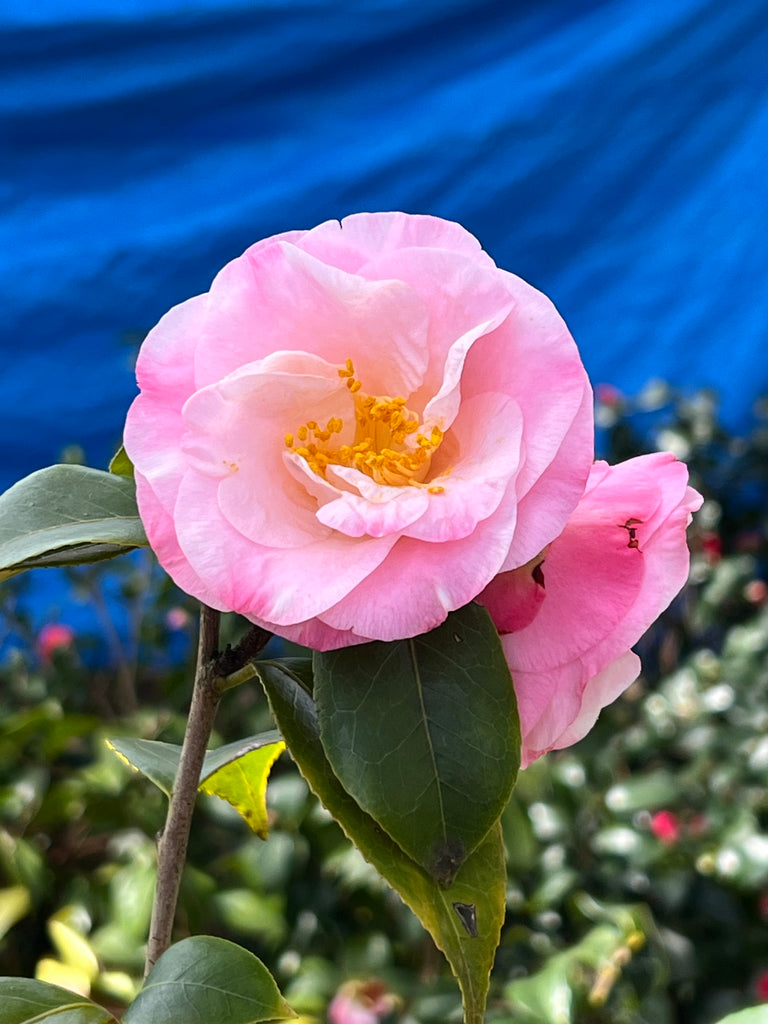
[388, 446]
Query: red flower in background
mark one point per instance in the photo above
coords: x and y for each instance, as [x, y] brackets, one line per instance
[55, 636]
[665, 825]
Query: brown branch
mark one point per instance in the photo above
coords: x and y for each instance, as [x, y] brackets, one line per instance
[174, 839]
[210, 682]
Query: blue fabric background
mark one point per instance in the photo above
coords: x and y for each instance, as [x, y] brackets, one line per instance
[611, 152]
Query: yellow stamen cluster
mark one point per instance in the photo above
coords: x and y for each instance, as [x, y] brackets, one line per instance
[382, 447]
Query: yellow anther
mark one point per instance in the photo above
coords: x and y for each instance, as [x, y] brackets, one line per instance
[381, 447]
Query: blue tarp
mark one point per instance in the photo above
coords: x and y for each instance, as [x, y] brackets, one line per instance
[611, 152]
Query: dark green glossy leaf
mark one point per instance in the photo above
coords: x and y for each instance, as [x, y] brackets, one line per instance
[209, 980]
[26, 1001]
[424, 734]
[67, 515]
[464, 920]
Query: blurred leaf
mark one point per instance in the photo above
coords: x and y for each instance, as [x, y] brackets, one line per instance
[15, 903]
[464, 920]
[545, 997]
[242, 782]
[28, 1001]
[643, 793]
[208, 979]
[752, 1015]
[424, 734]
[253, 913]
[159, 761]
[120, 464]
[73, 948]
[54, 972]
[67, 515]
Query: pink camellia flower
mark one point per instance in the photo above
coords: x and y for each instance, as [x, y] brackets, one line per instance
[356, 429]
[362, 1002]
[569, 617]
[53, 637]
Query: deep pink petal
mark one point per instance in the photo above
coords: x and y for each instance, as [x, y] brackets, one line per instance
[559, 707]
[619, 562]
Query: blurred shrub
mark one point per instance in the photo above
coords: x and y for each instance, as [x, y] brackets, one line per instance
[638, 860]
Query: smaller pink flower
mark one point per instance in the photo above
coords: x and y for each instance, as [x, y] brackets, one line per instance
[665, 825]
[55, 636]
[362, 1002]
[569, 617]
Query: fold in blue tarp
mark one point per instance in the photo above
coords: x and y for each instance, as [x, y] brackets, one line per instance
[612, 153]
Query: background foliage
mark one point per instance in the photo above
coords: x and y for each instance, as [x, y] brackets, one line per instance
[638, 860]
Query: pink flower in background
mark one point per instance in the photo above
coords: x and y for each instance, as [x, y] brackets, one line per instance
[177, 619]
[665, 825]
[569, 617]
[356, 429]
[54, 636]
[361, 1002]
[761, 986]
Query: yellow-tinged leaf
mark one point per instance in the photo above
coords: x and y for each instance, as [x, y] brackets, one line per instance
[14, 904]
[53, 972]
[243, 784]
[73, 949]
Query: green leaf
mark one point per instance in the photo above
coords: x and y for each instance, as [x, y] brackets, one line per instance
[120, 464]
[158, 761]
[26, 1001]
[236, 772]
[208, 979]
[447, 914]
[545, 997]
[752, 1015]
[67, 515]
[424, 734]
